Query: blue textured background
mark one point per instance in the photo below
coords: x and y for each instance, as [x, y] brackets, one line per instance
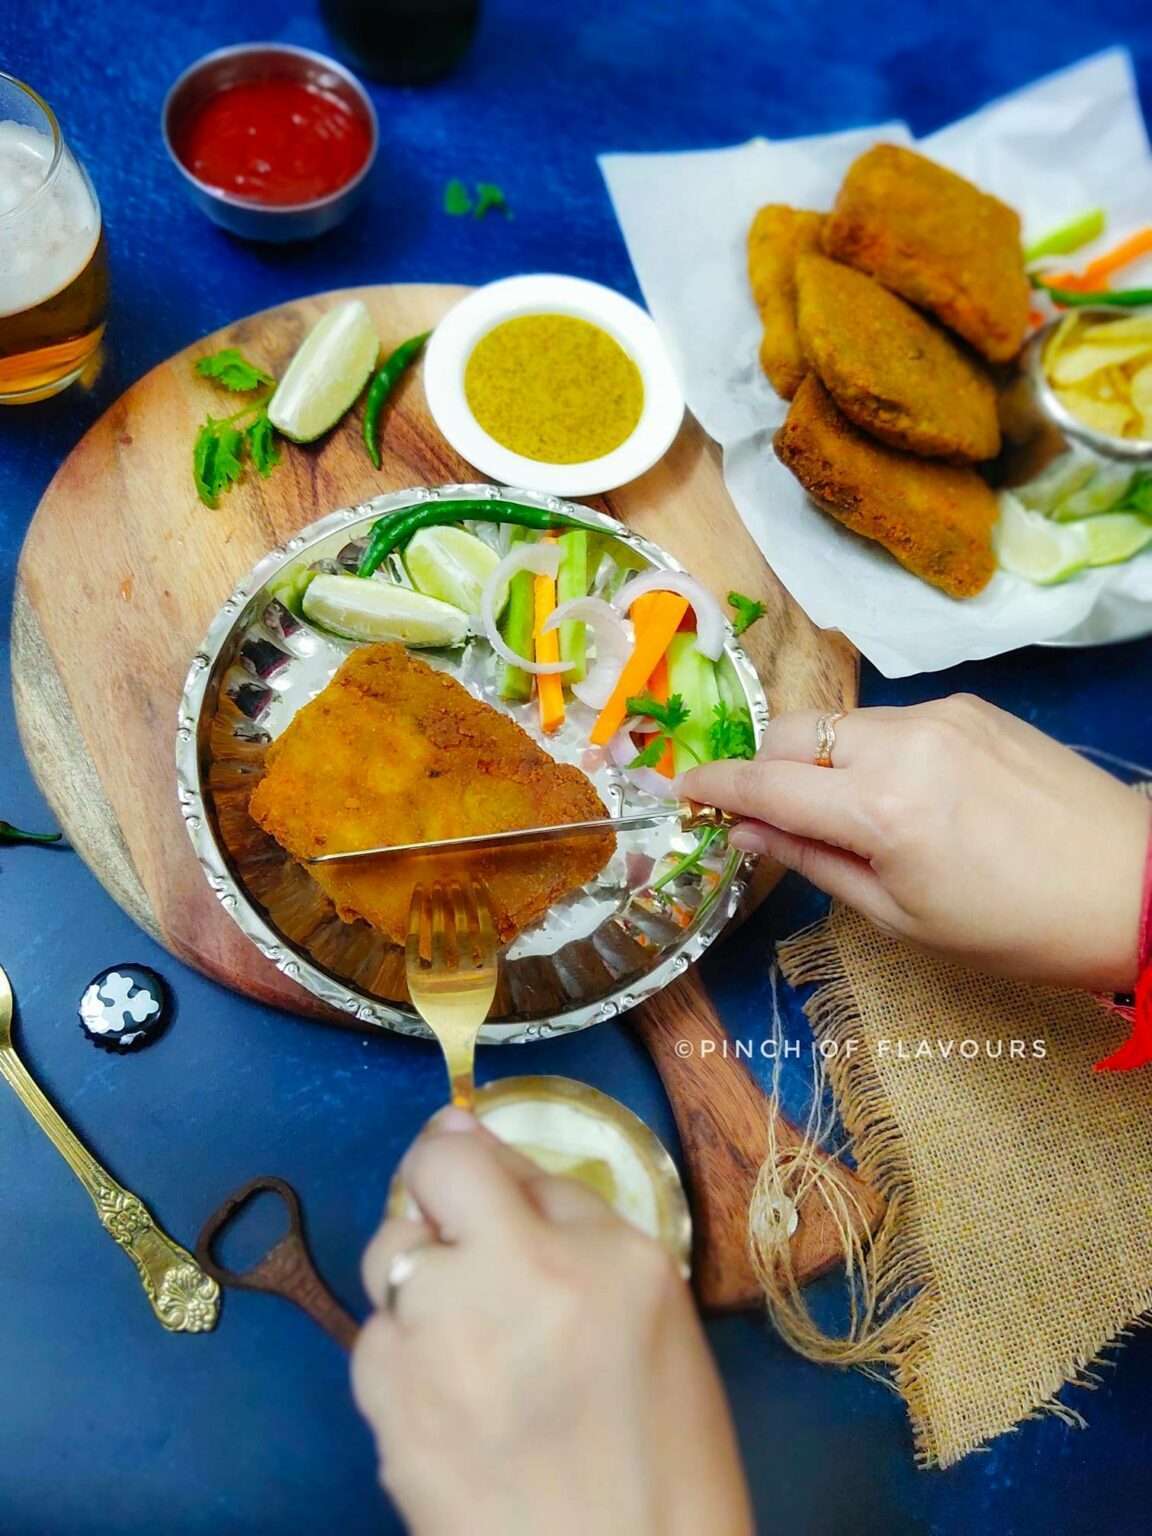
[107, 1424]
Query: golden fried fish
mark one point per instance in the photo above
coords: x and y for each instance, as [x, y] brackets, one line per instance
[935, 518]
[393, 751]
[778, 235]
[890, 369]
[937, 240]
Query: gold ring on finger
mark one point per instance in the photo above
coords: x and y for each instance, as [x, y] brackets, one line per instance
[826, 738]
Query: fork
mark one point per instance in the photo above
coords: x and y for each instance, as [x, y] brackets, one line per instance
[450, 959]
[183, 1297]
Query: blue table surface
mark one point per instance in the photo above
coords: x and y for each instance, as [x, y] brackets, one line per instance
[107, 1424]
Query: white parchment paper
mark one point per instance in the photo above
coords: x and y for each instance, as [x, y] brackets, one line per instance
[1073, 141]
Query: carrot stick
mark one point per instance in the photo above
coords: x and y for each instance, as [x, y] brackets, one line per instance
[658, 688]
[1097, 273]
[549, 686]
[655, 626]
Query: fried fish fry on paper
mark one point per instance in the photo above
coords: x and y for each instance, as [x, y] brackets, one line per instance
[778, 235]
[935, 518]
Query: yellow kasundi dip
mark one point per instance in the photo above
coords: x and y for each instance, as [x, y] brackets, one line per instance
[554, 388]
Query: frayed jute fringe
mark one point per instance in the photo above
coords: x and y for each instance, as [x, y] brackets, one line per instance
[1016, 1251]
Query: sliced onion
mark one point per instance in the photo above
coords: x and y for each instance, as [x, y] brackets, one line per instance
[542, 559]
[613, 637]
[653, 783]
[621, 749]
[711, 625]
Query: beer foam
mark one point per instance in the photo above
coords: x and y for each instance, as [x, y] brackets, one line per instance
[47, 236]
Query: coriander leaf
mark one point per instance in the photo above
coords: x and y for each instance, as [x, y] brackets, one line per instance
[216, 459]
[731, 733]
[229, 451]
[262, 444]
[670, 715]
[747, 611]
[649, 756]
[232, 370]
[457, 200]
[490, 197]
[204, 463]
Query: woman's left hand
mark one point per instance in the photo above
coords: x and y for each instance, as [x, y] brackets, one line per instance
[542, 1367]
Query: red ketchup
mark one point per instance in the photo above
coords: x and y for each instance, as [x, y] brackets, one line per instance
[274, 141]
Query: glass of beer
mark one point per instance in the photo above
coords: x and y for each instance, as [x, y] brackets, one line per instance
[53, 270]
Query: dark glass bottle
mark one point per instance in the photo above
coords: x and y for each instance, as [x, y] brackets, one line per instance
[404, 42]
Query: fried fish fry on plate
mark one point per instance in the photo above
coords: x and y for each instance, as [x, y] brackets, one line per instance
[778, 235]
[933, 237]
[935, 518]
[393, 751]
[890, 369]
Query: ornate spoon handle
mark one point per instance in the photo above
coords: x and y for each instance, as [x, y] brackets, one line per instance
[183, 1297]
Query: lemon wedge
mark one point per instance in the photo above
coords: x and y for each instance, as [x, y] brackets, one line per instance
[1116, 537]
[329, 370]
[451, 564]
[1030, 545]
[375, 611]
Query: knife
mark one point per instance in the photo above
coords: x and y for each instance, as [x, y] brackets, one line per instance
[691, 817]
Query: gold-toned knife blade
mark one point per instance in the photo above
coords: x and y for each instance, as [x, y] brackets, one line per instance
[480, 840]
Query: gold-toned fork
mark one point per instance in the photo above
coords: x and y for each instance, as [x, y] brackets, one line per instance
[450, 959]
[183, 1297]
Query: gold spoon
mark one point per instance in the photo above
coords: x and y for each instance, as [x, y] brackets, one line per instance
[183, 1297]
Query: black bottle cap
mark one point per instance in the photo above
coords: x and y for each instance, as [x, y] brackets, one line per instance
[125, 1008]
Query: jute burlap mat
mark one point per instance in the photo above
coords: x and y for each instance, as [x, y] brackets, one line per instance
[1018, 1242]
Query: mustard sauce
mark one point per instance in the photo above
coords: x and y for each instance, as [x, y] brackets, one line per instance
[554, 388]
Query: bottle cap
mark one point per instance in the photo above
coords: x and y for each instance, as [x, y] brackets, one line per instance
[124, 1008]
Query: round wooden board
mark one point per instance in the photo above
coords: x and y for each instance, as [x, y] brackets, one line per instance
[123, 568]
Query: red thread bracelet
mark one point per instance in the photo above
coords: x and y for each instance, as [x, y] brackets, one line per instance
[1137, 1049]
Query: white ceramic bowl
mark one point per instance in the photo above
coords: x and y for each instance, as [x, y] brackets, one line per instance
[462, 327]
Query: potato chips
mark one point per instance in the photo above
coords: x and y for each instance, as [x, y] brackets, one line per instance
[1101, 371]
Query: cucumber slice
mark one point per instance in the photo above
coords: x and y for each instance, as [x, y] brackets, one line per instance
[572, 582]
[516, 629]
[693, 677]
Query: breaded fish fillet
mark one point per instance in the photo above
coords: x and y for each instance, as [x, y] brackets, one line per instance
[890, 369]
[393, 751]
[778, 235]
[933, 237]
[935, 518]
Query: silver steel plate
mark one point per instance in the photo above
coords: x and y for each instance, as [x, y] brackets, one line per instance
[597, 953]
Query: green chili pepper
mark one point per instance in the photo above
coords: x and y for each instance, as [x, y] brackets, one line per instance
[11, 834]
[1127, 298]
[394, 531]
[384, 381]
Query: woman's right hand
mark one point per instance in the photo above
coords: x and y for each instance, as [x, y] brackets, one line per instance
[957, 826]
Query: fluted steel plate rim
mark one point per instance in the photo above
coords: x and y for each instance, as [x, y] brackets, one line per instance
[213, 657]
